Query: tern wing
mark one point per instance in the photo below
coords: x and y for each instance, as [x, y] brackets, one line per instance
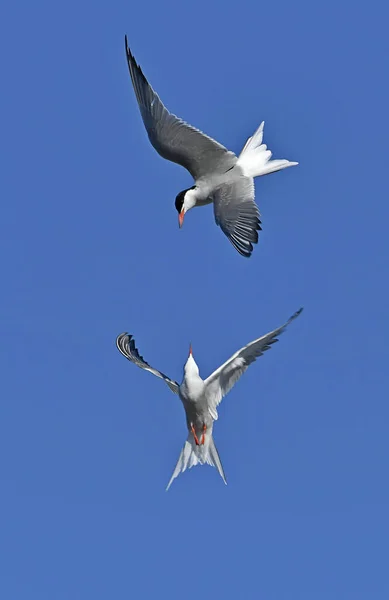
[126, 345]
[172, 138]
[224, 378]
[237, 214]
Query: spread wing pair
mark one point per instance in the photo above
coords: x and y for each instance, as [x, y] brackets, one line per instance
[224, 378]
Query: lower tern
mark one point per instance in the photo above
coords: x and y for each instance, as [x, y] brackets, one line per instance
[201, 398]
[220, 176]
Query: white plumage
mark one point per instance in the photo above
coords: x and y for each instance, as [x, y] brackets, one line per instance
[202, 397]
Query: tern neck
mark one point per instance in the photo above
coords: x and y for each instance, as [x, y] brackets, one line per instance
[190, 199]
[191, 368]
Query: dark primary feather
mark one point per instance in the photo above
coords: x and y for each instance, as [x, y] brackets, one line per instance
[172, 138]
[253, 351]
[220, 382]
[126, 346]
[237, 214]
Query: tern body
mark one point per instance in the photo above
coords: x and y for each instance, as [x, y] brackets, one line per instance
[201, 398]
[193, 395]
[220, 177]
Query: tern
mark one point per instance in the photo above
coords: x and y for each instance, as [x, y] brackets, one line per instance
[219, 175]
[202, 397]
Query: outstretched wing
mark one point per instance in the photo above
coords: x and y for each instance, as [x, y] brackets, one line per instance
[223, 379]
[172, 138]
[237, 214]
[126, 345]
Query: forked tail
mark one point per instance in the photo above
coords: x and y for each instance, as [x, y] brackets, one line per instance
[192, 455]
[254, 159]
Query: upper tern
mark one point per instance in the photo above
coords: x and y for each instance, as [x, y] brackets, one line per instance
[202, 397]
[220, 176]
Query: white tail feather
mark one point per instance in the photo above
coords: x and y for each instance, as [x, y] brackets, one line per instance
[254, 160]
[192, 455]
[213, 459]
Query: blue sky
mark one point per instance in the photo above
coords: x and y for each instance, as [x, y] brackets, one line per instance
[90, 247]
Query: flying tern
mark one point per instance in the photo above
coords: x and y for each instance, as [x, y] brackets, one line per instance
[202, 397]
[219, 175]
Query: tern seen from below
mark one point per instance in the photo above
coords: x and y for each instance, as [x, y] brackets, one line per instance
[220, 176]
[202, 397]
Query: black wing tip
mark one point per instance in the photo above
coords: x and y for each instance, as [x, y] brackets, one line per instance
[246, 254]
[295, 315]
[245, 251]
[122, 339]
[128, 51]
[125, 343]
[130, 57]
[123, 335]
[243, 245]
[135, 69]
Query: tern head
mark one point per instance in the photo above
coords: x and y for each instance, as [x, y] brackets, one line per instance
[184, 202]
[191, 364]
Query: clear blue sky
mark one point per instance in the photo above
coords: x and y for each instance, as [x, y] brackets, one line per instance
[90, 247]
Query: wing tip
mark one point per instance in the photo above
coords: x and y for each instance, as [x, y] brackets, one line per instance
[135, 71]
[129, 54]
[244, 247]
[128, 51]
[297, 313]
[242, 242]
[132, 64]
[122, 340]
[294, 316]
[121, 336]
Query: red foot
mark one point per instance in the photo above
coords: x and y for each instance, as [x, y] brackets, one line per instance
[203, 436]
[196, 439]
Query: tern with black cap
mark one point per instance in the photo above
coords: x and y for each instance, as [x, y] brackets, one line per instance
[220, 176]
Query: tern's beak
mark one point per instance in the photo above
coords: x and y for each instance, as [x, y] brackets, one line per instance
[181, 216]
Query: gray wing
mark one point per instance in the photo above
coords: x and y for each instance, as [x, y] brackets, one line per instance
[237, 214]
[224, 378]
[126, 345]
[172, 138]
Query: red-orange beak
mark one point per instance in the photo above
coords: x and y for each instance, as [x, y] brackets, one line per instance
[181, 216]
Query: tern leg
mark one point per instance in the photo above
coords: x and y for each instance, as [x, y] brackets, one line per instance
[196, 439]
[203, 436]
